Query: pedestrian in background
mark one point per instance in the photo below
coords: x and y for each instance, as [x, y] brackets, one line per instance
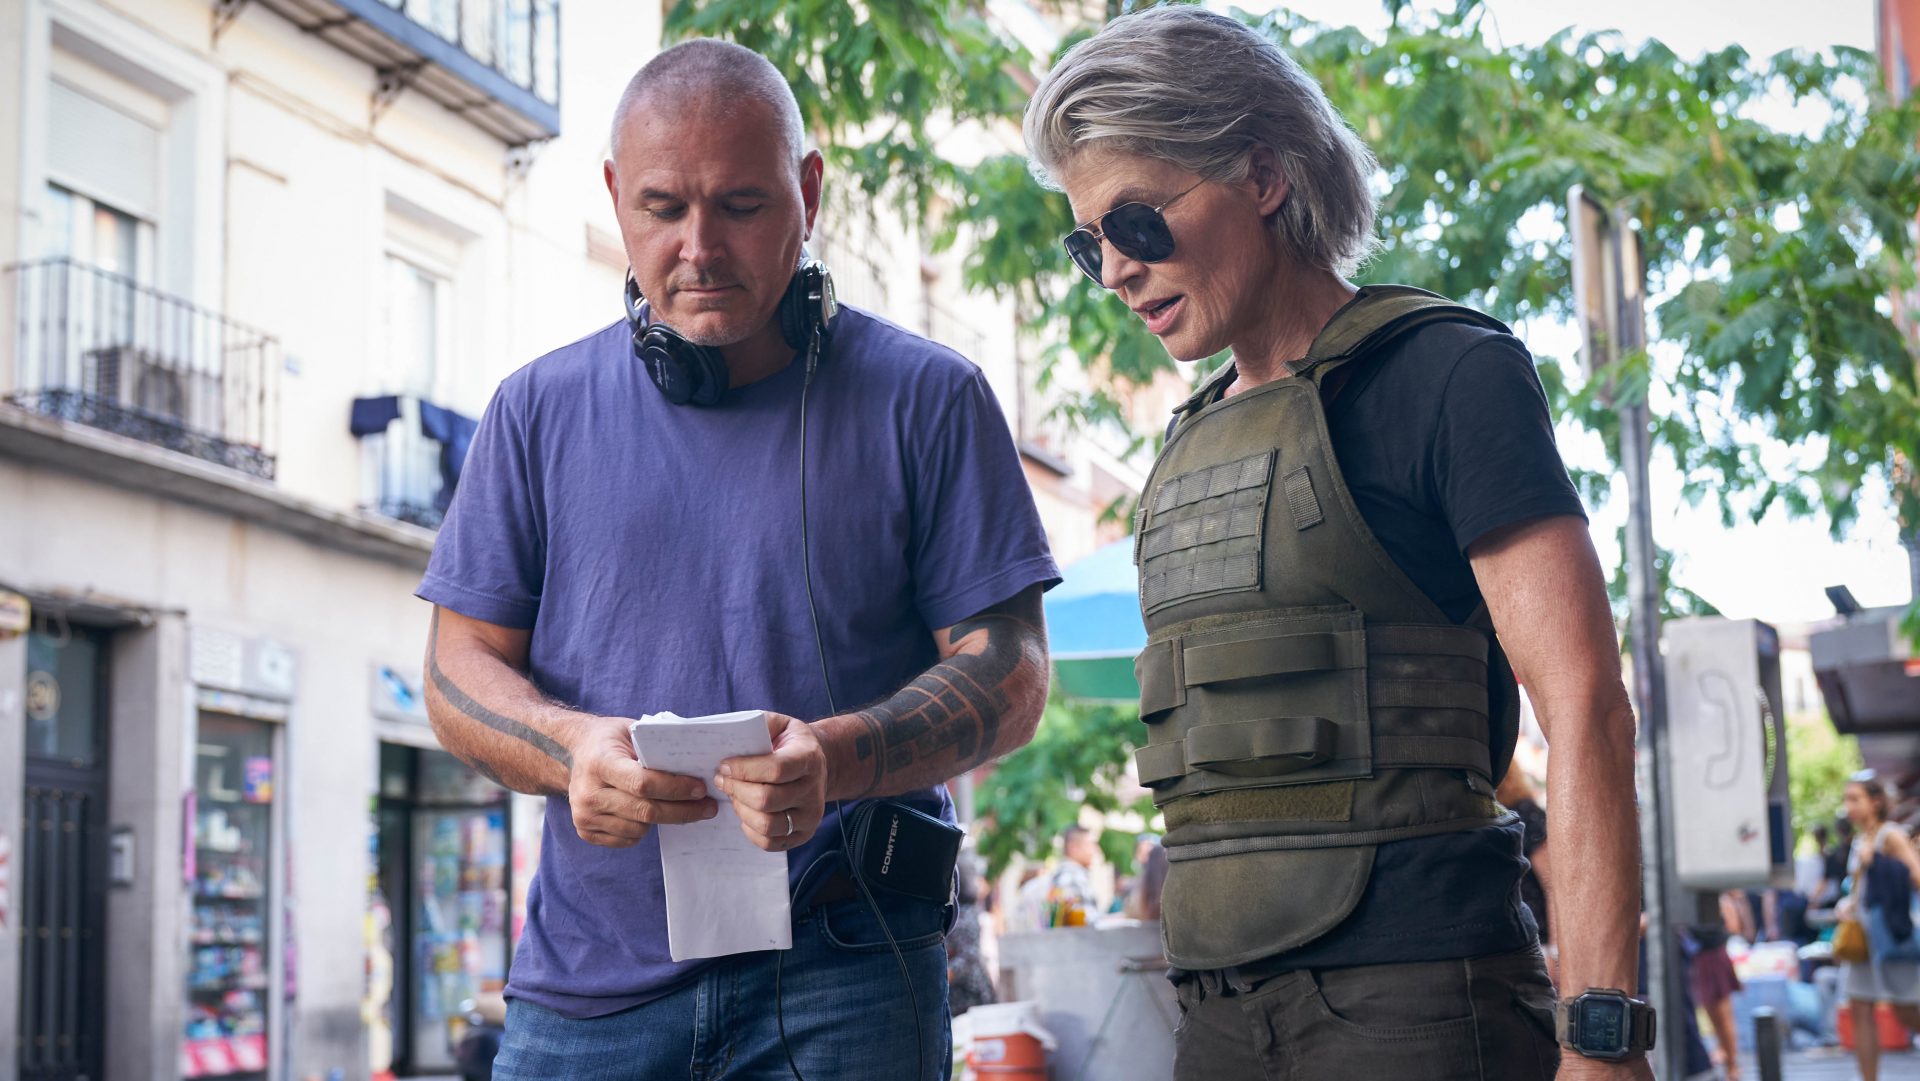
[1517, 794]
[1143, 901]
[1052, 898]
[1836, 852]
[1711, 980]
[969, 982]
[1792, 905]
[1877, 979]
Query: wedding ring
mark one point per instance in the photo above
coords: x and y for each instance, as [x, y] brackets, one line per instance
[789, 832]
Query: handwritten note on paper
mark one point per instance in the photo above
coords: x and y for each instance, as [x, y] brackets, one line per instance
[724, 894]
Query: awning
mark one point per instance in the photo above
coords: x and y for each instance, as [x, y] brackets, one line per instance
[1094, 629]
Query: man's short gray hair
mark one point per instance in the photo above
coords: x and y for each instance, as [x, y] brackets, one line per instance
[1203, 91]
[718, 72]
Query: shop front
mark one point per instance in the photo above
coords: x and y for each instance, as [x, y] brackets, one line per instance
[230, 933]
[450, 855]
[233, 859]
[443, 850]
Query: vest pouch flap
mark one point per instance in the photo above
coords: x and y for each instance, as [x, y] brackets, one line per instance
[1161, 686]
[1261, 748]
[1236, 908]
[1274, 655]
[1267, 747]
[1265, 699]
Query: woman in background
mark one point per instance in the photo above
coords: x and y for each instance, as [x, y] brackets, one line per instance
[1868, 983]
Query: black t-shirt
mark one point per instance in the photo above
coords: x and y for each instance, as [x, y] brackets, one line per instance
[1443, 438]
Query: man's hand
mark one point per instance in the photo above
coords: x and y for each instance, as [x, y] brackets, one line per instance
[616, 800]
[780, 797]
[1576, 1067]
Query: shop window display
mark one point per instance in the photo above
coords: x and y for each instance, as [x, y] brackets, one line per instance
[229, 935]
[442, 858]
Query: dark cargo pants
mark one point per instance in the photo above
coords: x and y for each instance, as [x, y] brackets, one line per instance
[1479, 1019]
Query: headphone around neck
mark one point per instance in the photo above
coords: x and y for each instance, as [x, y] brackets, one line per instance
[692, 374]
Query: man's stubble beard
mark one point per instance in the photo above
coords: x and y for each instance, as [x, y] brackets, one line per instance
[727, 334]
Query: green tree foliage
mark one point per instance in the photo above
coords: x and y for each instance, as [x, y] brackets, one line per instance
[877, 83]
[1776, 249]
[1819, 761]
[1077, 759]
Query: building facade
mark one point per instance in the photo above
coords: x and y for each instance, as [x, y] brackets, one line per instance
[264, 262]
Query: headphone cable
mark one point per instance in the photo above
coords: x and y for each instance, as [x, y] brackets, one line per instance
[846, 844]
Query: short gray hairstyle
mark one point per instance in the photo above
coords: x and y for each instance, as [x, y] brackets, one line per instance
[1203, 91]
[722, 72]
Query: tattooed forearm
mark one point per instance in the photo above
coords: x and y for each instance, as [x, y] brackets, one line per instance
[467, 706]
[981, 701]
[956, 705]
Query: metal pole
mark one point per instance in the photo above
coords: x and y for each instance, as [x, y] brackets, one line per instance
[1649, 683]
[1913, 561]
[1766, 1043]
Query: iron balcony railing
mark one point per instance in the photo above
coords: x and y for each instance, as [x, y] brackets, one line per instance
[100, 349]
[400, 470]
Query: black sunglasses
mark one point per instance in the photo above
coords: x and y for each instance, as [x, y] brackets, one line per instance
[1135, 230]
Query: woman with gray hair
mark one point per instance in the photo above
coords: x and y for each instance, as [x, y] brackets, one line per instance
[1339, 522]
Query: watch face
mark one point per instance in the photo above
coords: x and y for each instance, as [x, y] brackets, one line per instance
[1603, 1025]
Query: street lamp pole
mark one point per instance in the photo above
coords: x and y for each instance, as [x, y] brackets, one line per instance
[1610, 298]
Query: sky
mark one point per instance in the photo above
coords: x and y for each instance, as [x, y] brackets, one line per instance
[1775, 570]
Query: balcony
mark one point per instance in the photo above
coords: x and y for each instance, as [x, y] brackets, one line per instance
[99, 349]
[495, 62]
[411, 453]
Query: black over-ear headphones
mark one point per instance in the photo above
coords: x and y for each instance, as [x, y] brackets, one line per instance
[692, 374]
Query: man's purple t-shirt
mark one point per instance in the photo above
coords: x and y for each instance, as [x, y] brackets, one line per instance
[654, 551]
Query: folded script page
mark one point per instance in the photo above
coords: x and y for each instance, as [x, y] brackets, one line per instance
[724, 894]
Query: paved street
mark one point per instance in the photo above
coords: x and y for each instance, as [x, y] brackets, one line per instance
[1835, 1064]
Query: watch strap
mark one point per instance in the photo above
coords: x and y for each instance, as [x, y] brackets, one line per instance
[1645, 1025]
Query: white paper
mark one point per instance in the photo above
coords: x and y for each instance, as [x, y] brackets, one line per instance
[725, 895]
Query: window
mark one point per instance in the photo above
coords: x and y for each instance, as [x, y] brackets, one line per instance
[101, 207]
[416, 306]
[100, 214]
[97, 234]
[90, 233]
[107, 114]
[401, 467]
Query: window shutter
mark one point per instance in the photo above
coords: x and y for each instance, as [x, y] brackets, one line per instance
[103, 153]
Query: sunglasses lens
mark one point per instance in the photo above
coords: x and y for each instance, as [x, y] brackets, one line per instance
[1085, 252]
[1139, 232]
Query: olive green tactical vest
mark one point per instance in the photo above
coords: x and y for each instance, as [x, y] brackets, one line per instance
[1304, 700]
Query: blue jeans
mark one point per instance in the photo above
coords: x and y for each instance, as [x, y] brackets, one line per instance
[844, 1001]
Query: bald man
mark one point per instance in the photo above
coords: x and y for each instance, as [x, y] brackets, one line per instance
[627, 538]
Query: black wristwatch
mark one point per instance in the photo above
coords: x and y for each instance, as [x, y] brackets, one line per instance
[1604, 1024]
